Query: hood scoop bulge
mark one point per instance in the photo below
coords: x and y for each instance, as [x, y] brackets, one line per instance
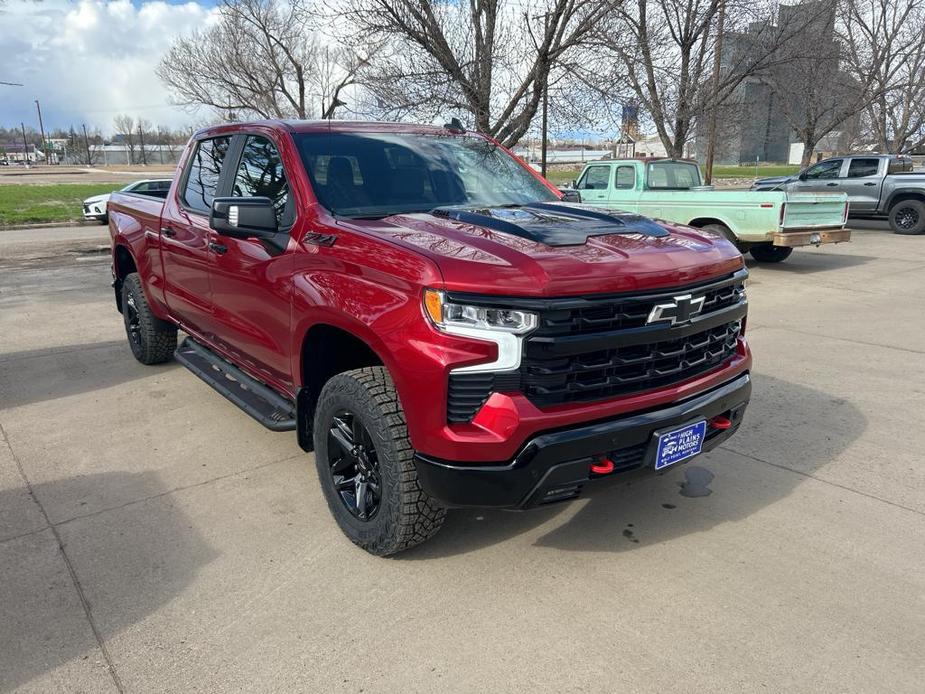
[553, 224]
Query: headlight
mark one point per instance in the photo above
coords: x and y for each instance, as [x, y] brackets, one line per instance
[447, 315]
[504, 327]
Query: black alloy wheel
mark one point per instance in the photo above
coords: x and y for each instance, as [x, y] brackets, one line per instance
[133, 323]
[354, 466]
[907, 217]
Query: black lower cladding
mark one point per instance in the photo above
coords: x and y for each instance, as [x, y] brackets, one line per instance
[555, 466]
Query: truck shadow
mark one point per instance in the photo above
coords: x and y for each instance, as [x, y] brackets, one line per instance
[787, 426]
[129, 561]
[809, 262]
[37, 375]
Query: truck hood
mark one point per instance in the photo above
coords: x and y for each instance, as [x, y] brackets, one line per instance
[97, 198]
[555, 249]
[773, 181]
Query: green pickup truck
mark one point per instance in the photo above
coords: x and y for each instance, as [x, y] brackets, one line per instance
[769, 224]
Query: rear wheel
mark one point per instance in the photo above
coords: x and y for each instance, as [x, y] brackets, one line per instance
[366, 467]
[908, 217]
[152, 340]
[768, 253]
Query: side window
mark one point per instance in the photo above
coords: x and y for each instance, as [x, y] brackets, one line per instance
[824, 170]
[626, 178]
[595, 178]
[858, 168]
[899, 165]
[260, 174]
[205, 167]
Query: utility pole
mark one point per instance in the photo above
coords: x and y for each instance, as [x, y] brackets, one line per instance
[141, 137]
[25, 145]
[42, 130]
[87, 145]
[545, 126]
[717, 54]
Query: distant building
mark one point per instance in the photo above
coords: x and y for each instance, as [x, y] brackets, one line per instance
[751, 126]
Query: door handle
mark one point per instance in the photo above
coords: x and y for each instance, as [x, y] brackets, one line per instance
[871, 183]
[168, 231]
[831, 185]
[219, 248]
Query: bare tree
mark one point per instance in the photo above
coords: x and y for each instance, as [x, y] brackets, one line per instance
[262, 58]
[124, 126]
[883, 39]
[838, 66]
[487, 61]
[661, 54]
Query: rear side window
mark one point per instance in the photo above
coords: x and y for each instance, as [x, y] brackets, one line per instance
[626, 178]
[204, 170]
[673, 175]
[899, 165]
[595, 178]
[260, 174]
[858, 168]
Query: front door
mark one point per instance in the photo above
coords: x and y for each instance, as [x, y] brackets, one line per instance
[185, 236]
[594, 184]
[251, 291]
[821, 178]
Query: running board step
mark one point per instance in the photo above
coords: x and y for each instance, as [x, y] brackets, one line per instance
[257, 399]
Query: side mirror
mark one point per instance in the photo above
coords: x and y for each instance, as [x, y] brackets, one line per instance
[244, 218]
[570, 195]
[802, 176]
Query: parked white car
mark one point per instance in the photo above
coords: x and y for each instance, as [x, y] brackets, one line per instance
[95, 207]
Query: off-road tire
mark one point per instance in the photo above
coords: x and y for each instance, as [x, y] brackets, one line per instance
[152, 340]
[768, 253]
[908, 210]
[406, 516]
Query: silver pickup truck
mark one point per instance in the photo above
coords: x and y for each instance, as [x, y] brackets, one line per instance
[877, 185]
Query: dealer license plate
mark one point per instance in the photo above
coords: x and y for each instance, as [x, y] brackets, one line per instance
[680, 444]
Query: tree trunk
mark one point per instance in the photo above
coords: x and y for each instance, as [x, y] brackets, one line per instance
[809, 148]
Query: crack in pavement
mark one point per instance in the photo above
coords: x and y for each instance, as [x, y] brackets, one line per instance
[781, 466]
[75, 580]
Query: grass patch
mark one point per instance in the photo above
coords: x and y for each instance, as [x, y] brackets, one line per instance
[749, 171]
[32, 204]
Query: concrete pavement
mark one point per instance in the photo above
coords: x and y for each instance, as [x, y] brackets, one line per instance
[154, 538]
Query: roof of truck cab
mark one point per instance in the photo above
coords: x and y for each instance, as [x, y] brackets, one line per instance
[322, 126]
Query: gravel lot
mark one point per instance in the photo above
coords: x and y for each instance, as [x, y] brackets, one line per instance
[154, 538]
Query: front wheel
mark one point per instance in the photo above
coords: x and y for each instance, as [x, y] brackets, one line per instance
[908, 217]
[768, 253]
[366, 464]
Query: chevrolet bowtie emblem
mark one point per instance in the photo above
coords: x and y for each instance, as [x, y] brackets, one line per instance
[679, 310]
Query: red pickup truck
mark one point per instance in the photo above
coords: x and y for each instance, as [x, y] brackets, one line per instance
[430, 318]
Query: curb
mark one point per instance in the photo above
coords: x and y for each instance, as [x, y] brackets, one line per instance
[47, 225]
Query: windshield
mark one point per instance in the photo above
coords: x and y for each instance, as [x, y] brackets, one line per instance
[673, 175]
[381, 174]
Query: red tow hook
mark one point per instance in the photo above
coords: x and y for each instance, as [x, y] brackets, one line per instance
[602, 467]
[720, 422]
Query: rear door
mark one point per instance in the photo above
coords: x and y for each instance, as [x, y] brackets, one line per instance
[594, 184]
[862, 184]
[185, 236]
[250, 282]
[623, 195]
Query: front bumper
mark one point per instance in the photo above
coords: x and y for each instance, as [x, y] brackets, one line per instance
[555, 466]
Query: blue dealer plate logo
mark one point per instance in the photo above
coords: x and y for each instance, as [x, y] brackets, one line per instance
[680, 444]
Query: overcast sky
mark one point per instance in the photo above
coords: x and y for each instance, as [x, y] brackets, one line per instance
[87, 60]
